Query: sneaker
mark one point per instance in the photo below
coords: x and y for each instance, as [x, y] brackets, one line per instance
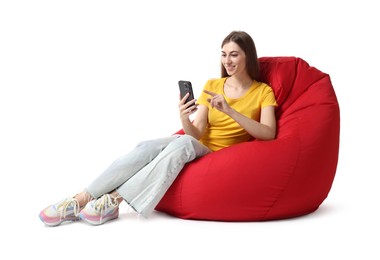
[65, 210]
[101, 210]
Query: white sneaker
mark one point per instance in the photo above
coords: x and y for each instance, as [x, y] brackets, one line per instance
[101, 210]
[65, 210]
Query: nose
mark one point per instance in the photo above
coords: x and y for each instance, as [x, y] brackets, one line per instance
[227, 60]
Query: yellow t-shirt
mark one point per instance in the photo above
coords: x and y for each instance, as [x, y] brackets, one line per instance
[222, 130]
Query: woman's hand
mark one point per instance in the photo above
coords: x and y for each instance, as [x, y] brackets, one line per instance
[186, 109]
[218, 101]
[196, 128]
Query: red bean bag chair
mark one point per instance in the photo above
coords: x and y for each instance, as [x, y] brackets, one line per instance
[266, 180]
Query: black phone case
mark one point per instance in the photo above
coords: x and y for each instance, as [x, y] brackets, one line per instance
[186, 87]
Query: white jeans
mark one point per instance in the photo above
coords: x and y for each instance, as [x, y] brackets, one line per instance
[143, 176]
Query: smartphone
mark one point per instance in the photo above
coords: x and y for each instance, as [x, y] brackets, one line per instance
[184, 88]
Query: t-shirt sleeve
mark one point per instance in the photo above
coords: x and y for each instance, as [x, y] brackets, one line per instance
[268, 98]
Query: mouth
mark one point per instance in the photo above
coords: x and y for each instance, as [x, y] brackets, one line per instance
[229, 68]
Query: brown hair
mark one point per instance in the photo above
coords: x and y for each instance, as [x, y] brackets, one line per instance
[246, 43]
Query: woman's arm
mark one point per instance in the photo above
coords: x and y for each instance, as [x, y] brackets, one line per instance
[263, 130]
[197, 128]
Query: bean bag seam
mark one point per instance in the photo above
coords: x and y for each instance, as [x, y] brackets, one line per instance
[181, 193]
[289, 180]
[279, 109]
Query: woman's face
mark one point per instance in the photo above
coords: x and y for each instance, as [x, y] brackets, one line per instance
[233, 59]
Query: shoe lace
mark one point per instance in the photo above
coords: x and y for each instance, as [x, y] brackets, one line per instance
[63, 205]
[104, 202]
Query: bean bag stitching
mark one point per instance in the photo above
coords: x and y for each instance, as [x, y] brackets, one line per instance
[206, 161]
[278, 81]
[294, 80]
[181, 194]
[290, 177]
[305, 92]
[297, 60]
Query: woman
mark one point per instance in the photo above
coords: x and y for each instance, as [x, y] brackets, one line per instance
[232, 109]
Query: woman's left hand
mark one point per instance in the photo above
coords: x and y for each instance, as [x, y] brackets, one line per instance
[218, 101]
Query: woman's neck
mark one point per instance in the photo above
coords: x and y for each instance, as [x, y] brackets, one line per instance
[239, 82]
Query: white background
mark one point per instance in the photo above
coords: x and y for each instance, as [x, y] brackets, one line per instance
[81, 82]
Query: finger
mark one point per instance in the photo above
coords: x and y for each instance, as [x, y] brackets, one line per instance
[183, 100]
[192, 109]
[191, 103]
[210, 93]
[211, 101]
[184, 107]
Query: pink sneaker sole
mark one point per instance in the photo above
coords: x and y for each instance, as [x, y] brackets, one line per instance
[95, 220]
[52, 222]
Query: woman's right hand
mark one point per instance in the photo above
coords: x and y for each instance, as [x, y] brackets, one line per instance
[186, 109]
[197, 127]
